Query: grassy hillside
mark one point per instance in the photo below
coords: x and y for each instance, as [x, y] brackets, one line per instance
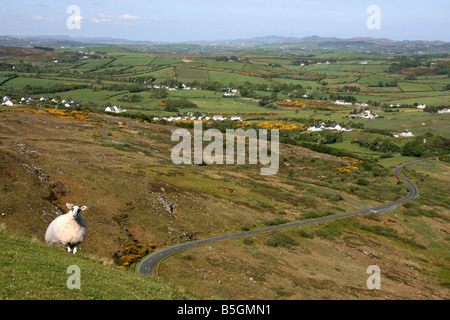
[33, 270]
[330, 260]
[139, 202]
[49, 158]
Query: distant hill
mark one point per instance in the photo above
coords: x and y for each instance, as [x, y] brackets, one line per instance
[267, 42]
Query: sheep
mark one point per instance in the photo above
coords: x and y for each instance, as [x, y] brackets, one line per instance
[68, 229]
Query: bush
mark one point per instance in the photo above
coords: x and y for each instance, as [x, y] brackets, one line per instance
[275, 222]
[305, 234]
[279, 239]
[362, 182]
[180, 103]
[388, 232]
[328, 232]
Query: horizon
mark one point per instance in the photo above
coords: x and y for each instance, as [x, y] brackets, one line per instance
[113, 40]
[201, 20]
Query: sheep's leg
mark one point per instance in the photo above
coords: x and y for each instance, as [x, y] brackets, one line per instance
[68, 248]
[74, 250]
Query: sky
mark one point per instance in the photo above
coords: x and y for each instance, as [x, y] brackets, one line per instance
[190, 20]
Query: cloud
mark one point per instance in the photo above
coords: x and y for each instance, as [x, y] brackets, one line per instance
[127, 16]
[101, 18]
[44, 19]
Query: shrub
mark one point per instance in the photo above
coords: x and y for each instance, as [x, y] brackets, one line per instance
[305, 234]
[372, 216]
[328, 232]
[279, 239]
[387, 232]
[275, 222]
[131, 254]
[362, 182]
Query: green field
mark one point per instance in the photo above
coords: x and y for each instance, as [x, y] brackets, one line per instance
[35, 271]
[125, 75]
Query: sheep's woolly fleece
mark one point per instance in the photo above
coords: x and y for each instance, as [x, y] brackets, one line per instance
[68, 229]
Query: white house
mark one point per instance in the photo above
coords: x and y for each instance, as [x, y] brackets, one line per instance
[236, 118]
[73, 104]
[218, 117]
[334, 126]
[7, 102]
[115, 109]
[367, 114]
[44, 99]
[421, 106]
[316, 128]
[445, 110]
[342, 102]
[406, 133]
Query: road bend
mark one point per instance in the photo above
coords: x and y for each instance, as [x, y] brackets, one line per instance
[149, 263]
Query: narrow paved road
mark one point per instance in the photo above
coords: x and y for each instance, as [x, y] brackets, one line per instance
[149, 263]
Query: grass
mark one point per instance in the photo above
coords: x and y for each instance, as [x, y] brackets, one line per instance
[126, 190]
[189, 75]
[20, 82]
[237, 79]
[36, 271]
[417, 122]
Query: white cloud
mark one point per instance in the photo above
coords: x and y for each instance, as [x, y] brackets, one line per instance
[101, 18]
[127, 16]
[44, 19]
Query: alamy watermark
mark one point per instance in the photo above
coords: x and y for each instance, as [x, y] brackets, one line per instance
[74, 20]
[74, 280]
[374, 20]
[236, 142]
[374, 281]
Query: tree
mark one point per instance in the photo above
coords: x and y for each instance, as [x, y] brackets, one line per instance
[413, 149]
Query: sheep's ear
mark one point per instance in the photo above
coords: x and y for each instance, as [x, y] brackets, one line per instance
[69, 205]
[83, 208]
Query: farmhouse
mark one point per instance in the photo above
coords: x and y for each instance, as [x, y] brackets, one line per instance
[342, 102]
[236, 118]
[7, 101]
[334, 126]
[73, 104]
[218, 117]
[445, 110]
[26, 100]
[366, 114]
[316, 128]
[406, 133]
[421, 106]
[115, 109]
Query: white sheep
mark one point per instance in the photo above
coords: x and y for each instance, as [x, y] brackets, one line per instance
[68, 229]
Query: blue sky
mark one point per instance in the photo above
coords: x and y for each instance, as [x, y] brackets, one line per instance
[176, 20]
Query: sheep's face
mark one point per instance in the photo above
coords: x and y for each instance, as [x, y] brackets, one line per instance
[75, 210]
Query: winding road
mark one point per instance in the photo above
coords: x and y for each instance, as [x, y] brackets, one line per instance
[149, 263]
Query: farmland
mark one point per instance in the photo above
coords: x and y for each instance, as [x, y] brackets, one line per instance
[140, 203]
